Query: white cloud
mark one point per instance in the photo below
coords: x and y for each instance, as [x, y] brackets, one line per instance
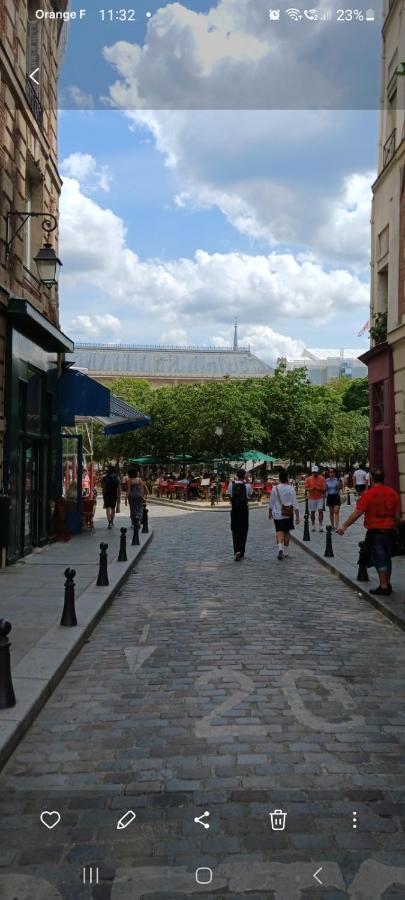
[74, 96]
[264, 341]
[176, 337]
[93, 326]
[205, 290]
[346, 233]
[236, 163]
[86, 170]
[229, 57]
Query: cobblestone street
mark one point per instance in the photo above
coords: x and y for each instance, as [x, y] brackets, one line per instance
[233, 688]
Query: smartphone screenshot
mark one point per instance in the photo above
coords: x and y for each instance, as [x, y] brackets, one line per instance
[202, 450]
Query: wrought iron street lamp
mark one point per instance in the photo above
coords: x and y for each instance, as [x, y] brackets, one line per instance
[47, 262]
[48, 265]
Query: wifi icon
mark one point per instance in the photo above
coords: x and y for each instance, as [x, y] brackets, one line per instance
[294, 14]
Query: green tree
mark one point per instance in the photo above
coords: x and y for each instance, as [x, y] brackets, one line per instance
[355, 397]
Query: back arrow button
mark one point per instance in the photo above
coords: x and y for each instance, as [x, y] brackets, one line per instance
[315, 875]
[32, 76]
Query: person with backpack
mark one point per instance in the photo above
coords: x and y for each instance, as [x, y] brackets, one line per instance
[111, 493]
[239, 492]
[282, 506]
[136, 493]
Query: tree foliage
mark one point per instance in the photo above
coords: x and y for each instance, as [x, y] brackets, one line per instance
[284, 415]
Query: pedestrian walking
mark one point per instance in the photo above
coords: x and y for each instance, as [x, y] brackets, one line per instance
[381, 507]
[239, 492]
[333, 484]
[111, 487]
[283, 505]
[137, 493]
[361, 479]
[315, 490]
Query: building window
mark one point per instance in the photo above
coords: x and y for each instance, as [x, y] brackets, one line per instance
[378, 403]
[33, 237]
[33, 62]
[34, 38]
[28, 227]
[383, 243]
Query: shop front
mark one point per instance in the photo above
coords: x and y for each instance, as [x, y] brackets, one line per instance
[33, 347]
[81, 400]
[383, 453]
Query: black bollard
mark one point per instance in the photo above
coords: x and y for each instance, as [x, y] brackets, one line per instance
[122, 556]
[135, 536]
[102, 580]
[329, 548]
[348, 500]
[145, 522]
[362, 574]
[306, 536]
[69, 613]
[7, 695]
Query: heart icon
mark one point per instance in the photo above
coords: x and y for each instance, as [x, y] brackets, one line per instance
[50, 819]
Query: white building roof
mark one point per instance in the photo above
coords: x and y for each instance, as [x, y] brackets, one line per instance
[314, 353]
[172, 362]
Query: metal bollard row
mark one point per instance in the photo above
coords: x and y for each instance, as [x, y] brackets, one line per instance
[329, 548]
[122, 556]
[69, 619]
[306, 536]
[135, 536]
[362, 574]
[102, 580]
[7, 695]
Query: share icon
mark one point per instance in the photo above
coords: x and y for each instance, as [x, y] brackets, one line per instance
[199, 819]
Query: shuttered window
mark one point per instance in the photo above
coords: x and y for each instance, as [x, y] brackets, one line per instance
[34, 37]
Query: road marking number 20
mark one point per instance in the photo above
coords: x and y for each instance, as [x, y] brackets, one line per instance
[205, 728]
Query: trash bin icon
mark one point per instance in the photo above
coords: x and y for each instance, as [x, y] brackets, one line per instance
[278, 820]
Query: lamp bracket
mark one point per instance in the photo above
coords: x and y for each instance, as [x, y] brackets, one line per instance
[49, 223]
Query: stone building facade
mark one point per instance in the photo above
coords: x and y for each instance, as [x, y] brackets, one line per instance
[386, 358]
[31, 344]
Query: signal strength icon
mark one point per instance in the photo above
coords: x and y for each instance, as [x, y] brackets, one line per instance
[294, 14]
[326, 16]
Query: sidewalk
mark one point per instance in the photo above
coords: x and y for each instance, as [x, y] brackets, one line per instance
[345, 563]
[32, 596]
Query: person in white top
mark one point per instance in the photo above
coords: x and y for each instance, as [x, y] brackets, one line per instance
[361, 479]
[283, 505]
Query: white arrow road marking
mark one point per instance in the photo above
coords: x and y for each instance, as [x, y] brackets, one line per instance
[136, 656]
[32, 76]
[315, 875]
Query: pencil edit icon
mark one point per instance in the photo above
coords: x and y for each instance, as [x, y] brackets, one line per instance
[126, 820]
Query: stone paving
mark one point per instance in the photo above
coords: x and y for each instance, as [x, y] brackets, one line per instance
[233, 688]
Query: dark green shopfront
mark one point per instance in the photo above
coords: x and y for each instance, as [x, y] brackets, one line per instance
[32, 448]
[44, 398]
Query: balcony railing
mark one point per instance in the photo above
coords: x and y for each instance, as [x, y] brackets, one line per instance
[34, 101]
[389, 148]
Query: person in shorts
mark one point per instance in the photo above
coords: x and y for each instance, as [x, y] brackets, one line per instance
[381, 507]
[315, 489]
[283, 505]
[333, 486]
[111, 485]
[361, 480]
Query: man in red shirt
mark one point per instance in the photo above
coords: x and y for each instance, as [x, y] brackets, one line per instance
[381, 506]
[315, 487]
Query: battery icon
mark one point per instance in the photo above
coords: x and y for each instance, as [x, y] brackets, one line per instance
[370, 15]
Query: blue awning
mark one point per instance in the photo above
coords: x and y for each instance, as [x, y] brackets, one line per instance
[82, 398]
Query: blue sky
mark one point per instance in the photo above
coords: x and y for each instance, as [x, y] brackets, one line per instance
[176, 222]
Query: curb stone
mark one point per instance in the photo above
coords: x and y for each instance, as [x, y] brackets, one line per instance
[55, 652]
[395, 616]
